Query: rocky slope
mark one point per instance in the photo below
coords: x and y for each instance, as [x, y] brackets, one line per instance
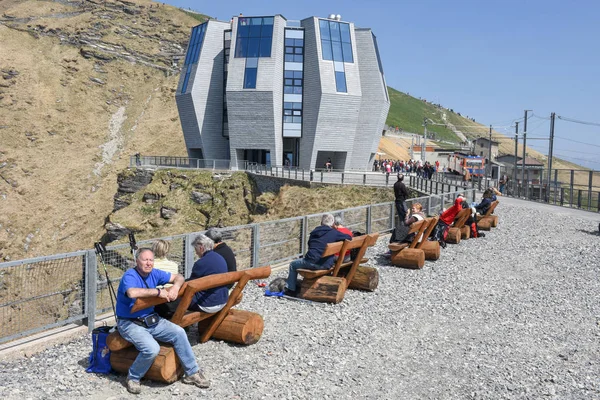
[83, 85]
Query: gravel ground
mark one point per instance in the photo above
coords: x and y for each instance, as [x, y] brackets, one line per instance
[512, 315]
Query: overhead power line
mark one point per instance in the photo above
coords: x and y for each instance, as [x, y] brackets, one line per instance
[578, 121]
[577, 141]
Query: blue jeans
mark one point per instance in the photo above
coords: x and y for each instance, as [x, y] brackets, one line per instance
[293, 274]
[144, 339]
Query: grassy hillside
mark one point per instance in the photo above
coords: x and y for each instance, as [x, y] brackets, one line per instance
[408, 112]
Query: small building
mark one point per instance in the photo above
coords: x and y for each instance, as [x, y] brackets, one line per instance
[481, 147]
[533, 167]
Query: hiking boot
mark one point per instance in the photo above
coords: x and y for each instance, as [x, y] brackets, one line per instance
[197, 379]
[291, 293]
[133, 386]
[481, 234]
[443, 244]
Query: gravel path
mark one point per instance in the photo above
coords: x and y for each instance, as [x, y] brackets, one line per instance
[512, 315]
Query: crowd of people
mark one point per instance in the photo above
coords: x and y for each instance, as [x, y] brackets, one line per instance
[424, 170]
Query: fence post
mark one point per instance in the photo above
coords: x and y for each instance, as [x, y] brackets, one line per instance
[369, 227]
[364, 179]
[188, 255]
[578, 198]
[393, 220]
[571, 188]
[342, 178]
[321, 176]
[562, 196]
[429, 204]
[590, 185]
[91, 286]
[255, 245]
[303, 235]
[387, 180]
[598, 204]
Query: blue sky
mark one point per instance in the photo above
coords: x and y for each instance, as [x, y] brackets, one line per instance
[487, 60]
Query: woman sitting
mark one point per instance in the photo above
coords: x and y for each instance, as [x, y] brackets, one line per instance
[486, 202]
[161, 249]
[400, 234]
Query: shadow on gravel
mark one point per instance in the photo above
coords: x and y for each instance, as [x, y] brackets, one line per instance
[593, 233]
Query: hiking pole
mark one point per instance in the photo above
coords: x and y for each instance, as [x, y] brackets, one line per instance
[101, 250]
[132, 245]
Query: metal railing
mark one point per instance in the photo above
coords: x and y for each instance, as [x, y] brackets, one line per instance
[568, 188]
[41, 293]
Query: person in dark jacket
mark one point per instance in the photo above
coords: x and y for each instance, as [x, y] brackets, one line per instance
[401, 194]
[318, 240]
[210, 263]
[224, 250]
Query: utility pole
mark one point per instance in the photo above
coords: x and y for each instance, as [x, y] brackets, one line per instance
[423, 148]
[524, 147]
[550, 152]
[516, 155]
[489, 168]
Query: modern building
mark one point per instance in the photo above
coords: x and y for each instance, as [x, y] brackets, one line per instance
[274, 91]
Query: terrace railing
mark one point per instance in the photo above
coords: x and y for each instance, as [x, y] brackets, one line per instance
[41, 293]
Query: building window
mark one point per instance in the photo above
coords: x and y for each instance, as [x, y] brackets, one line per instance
[294, 50]
[193, 52]
[340, 77]
[254, 37]
[250, 73]
[292, 82]
[340, 82]
[292, 112]
[336, 43]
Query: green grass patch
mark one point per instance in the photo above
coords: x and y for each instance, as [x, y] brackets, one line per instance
[196, 16]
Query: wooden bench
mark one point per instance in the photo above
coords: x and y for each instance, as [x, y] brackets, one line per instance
[431, 248]
[487, 221]
[459, 230]
[330, 285]
[237, 326]
[414, 253]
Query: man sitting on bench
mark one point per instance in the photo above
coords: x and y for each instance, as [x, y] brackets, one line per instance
[143, 328]
[319, 238]
[209, 263]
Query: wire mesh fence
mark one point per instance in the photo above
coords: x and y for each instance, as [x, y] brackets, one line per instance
[45, 292]
[39, 293]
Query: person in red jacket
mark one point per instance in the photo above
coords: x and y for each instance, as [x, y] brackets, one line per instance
[338, 225]
[446, 219]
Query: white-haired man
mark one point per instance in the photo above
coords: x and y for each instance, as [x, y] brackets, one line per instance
[318, 240]
[144, 327]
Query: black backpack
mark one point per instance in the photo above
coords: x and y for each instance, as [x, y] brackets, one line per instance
[354, 252]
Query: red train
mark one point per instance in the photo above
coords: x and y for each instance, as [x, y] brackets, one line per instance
[458, 162]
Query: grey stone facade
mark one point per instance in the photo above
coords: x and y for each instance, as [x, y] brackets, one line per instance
[340, 123]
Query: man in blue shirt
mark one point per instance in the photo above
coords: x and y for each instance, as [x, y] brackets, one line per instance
[143, 328]
[319, 238]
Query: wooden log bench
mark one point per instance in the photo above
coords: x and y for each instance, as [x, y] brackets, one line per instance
[237, 326]
[414, 253]
[487, 221]
[330, 285]
[459, 230]
[431, 248]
